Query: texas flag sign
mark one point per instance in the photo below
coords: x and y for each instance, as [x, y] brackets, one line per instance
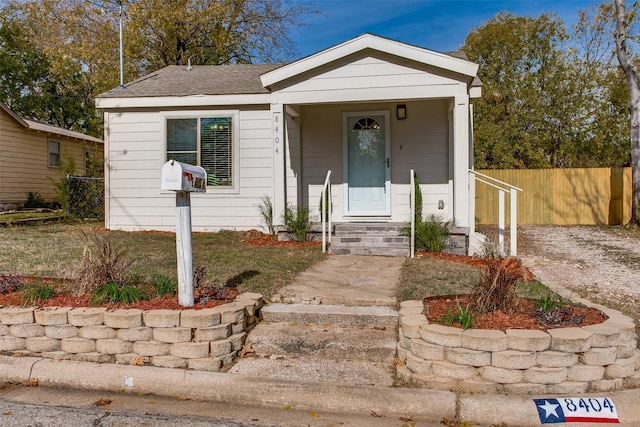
[577, 410]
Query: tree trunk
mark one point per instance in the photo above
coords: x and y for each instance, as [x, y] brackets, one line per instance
[628, 65]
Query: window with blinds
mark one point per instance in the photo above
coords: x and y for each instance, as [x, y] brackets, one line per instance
[216, 151]
[206, 142]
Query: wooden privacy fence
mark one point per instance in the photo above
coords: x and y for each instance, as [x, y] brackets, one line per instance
[593, 196]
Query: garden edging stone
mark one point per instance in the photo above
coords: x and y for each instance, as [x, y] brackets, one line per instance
[166, 338]
[599, 357]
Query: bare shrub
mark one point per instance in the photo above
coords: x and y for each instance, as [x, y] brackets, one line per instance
[103, 261]
[496, 288]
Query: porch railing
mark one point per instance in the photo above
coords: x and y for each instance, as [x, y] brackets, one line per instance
[325, 211]
[412, 209]
[502, 188]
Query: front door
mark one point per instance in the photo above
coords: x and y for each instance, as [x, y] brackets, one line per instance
[367, 163]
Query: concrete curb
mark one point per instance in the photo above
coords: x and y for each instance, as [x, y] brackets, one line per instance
[425, 404]
[231, 388]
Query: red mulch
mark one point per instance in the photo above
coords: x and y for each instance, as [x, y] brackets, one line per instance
[510, 263]
[68, 300]
[522, 315]
[256, 238]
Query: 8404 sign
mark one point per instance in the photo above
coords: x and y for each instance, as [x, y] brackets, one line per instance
[577, 410]
[276, 131]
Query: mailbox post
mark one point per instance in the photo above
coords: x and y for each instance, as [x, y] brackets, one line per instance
[184, 179]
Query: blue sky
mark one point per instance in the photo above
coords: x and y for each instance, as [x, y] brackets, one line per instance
[440, 25]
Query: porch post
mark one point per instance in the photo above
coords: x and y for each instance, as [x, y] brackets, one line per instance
[461, 161]
[279, 194]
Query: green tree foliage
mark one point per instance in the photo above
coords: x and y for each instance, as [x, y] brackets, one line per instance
[158, 33]
[545, 102]
[211, 32]
[65, 52]
[32, 88]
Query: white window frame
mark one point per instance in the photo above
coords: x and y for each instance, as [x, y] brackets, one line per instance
[50, 152]
[235, 141]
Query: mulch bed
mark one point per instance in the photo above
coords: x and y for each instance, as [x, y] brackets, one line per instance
[523, 314]
[510, 263]
[203, 298]
[256, 238]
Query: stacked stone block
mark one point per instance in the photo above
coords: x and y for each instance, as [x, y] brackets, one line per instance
[594, 358]
[206, 339]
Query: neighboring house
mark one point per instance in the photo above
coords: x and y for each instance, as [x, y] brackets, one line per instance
[30, 156]
[370, 110]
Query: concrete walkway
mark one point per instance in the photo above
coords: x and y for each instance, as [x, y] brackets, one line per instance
[339, 327]
[361, 279]
[349, 280]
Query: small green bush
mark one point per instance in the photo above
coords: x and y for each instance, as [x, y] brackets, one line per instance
[266, 212]
[112, 293]
[418, 191]
[549, 301]
[35, 200]
[464, 316]
[35, 292]
[164, 285]
[297, 222]
[432, 233]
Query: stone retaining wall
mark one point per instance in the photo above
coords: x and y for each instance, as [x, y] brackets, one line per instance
[205, 339]
[593, 358]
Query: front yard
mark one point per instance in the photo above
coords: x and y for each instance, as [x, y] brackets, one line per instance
[56, 250]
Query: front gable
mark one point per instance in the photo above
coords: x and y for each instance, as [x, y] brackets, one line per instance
[370, 75]
[370, 68]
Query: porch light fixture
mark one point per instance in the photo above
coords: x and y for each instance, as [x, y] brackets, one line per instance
[401, 111]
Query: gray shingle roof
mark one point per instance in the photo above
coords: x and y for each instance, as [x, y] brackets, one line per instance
[44, 127]
[39, 126]
[176, 80]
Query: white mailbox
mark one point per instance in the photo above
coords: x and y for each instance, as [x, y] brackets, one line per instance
[184, 179]
[178, 176]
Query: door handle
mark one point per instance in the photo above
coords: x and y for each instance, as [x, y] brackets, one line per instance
[387, 162]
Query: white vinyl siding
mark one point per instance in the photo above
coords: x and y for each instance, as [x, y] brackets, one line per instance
[372, 77]
[137, 151]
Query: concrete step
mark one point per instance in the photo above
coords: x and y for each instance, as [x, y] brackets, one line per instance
[331, 314]
[327, 352]
[310, 368]
[381, 251]
[368, 240]
[389, 229]
[287, 339]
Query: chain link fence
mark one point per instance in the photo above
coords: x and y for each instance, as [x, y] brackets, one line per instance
[85, 197]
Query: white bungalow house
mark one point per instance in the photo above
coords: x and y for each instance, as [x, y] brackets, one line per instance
[369, 110]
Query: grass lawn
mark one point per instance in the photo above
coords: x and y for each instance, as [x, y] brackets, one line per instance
[425, 276]
[8, 218]
[56, 250]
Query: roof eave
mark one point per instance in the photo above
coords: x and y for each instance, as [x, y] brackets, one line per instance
[182, 101]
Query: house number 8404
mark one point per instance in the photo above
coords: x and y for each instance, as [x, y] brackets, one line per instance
[276, 130]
